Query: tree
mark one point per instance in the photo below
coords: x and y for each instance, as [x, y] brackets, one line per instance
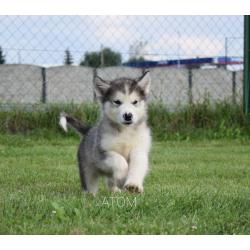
[91, 59]
[136, 60]
[2, 56]
[105, 57]
[68, 59]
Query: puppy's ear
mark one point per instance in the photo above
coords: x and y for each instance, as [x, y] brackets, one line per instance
[144, 82]
[101, 86]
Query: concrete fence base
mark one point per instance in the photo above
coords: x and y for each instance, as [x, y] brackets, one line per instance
[34, 84]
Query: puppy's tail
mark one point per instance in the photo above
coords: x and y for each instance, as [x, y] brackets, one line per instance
[73, 122]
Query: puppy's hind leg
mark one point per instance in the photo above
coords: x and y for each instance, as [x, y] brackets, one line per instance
[89, 179]
[82, 176]
[92, 182]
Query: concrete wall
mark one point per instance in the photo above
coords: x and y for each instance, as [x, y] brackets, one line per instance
[169, 86]
[20, 83]
[239, 86]
[69, 84]
[26, 84]
[215, 83]
[111, 73]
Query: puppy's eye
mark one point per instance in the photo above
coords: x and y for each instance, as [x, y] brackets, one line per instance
[117, 102]
[135, 102]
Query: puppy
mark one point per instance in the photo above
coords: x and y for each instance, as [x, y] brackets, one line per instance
[118, 146]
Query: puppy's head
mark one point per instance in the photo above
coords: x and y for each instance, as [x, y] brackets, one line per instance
[124, 99]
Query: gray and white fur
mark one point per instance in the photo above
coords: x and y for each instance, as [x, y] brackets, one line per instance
[118, 146]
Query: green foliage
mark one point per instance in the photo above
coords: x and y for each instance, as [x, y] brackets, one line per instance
[44, 117]
[110, 58]
[201, 120]
[136, 60]
[2, 56]
[68, 59]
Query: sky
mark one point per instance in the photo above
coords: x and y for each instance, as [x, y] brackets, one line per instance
[42, 40]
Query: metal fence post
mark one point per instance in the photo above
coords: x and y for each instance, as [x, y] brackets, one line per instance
[234, 87]
[44, 86]
[246, 89]
[190, 86]
[94, 76]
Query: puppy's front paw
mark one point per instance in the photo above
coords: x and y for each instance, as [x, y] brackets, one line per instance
[133, 188]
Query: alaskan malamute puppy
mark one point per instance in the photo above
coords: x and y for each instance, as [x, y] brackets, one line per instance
[118, 145]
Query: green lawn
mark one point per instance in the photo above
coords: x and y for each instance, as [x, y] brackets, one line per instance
[196, 187]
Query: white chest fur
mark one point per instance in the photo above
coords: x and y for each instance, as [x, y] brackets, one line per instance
[126, 140]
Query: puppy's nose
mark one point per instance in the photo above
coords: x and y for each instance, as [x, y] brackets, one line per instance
[127, 117]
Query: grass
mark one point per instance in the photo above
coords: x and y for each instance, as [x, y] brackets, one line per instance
[200, 120]
[194, 187]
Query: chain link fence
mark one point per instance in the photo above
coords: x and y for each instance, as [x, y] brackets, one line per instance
[53, 59]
